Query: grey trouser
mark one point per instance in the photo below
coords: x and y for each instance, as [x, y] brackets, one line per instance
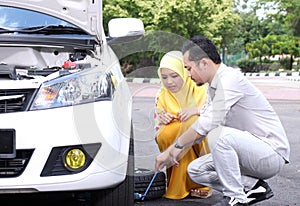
[237, 160]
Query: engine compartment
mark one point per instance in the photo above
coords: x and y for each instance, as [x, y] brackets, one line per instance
[23, 62]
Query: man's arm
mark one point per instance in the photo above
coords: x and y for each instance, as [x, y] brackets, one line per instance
[172, 154]
[188, 138]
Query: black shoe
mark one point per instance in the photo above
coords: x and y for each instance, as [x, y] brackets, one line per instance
[229, 201]
[261, 191]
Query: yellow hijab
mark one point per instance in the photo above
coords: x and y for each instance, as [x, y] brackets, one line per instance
[190, 95]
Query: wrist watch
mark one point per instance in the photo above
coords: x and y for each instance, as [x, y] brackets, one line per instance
[176, 145]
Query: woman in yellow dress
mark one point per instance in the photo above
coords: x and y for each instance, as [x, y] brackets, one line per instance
[178, 103]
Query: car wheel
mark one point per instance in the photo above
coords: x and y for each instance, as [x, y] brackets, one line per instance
[142, 179]
[123, 194]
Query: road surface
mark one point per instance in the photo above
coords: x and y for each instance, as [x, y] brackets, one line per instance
[284, 96]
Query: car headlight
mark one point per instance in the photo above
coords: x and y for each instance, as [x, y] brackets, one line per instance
[83, 87]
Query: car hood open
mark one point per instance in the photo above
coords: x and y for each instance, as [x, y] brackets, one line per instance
[86, 14]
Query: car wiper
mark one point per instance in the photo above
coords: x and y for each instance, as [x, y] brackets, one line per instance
[48, 30]
[24, 30]
[4, 30]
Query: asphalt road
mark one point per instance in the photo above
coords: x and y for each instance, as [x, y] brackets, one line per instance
[284, 96]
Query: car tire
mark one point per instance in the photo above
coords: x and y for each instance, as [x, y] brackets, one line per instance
[142, 179]
[123, 194]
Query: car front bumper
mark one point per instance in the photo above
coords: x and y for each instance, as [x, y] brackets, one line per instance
[43, 130]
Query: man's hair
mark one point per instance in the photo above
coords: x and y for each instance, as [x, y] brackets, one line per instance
[200, 47]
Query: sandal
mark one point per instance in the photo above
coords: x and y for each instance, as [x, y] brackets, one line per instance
[201, 193]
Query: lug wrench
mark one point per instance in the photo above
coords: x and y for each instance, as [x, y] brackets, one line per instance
[142, 197]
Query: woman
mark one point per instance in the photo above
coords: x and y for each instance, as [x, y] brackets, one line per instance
[177, 107]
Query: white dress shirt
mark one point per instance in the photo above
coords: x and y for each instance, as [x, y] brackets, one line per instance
[235, 102]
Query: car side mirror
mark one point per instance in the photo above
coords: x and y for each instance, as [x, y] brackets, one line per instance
[122, 30]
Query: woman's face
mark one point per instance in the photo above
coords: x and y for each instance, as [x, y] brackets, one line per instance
[171, 80]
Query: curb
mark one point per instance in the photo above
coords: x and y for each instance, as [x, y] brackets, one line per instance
[292, 76]
[274, 74]
[143, 80]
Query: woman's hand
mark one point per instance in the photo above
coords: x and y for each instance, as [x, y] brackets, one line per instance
[166, 118]
[185, 113]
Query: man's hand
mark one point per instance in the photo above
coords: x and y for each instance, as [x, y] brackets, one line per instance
[172, 155]
[168, 158]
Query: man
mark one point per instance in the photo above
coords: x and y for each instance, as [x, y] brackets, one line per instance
[247, 140]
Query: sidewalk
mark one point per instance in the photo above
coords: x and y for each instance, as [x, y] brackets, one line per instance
[293, 76]
[274, 88]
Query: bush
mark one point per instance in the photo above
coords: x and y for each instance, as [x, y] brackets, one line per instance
[286, 63]
[274, 67]
[247, 65]
[262, 67]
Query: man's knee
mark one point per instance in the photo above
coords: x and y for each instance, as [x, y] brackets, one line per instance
[192, 171]
[198, 168]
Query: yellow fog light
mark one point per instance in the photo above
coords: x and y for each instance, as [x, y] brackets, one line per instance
[75, 159]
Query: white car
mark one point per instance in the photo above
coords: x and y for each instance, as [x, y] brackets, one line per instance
[65, 107]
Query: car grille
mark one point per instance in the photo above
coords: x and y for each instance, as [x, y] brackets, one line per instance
[15, 100]
[14, 167]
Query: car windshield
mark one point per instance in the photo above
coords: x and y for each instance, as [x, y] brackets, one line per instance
[15, 20]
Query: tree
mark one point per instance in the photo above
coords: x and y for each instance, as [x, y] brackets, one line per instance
[274, 45]
[211, 18]
[287, 13]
